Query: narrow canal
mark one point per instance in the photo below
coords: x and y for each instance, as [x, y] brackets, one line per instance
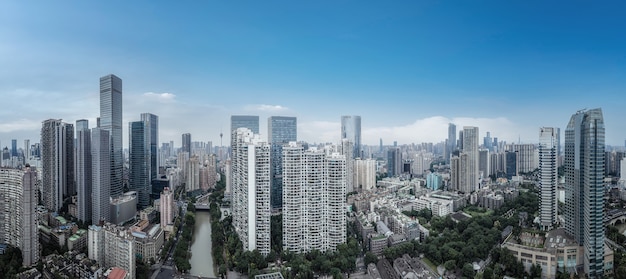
[201, 257]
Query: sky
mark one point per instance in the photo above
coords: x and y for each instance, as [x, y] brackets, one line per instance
[408, 68]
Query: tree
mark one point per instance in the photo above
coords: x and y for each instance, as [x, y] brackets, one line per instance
[450, 265]
[370, 258]
[468, 270]
[488, 273]
[535, 271]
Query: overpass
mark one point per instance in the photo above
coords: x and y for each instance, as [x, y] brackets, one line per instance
[615, 216]
[202, 202]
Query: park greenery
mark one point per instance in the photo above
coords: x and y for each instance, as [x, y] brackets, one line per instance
[10, 262]
[181, 252]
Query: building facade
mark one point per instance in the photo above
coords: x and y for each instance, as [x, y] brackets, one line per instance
[244, 121]
[251, 190]
[548, 176]
[314, 199]
[83, 167]
[18, 214]
[351, 130]
[101, 175]
[111, 121]
[584, 189]
[280, 130]
[57, 144]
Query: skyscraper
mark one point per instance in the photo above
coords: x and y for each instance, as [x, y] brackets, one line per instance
[57, 144]
[451, 140]
[251, 190]
[584, 189]
[139, 161]
[83, 170]
[548, 177]
[394, 162]
[101, 175]
[151, 126]
[111, 121]
[18, 200]
[351, 130]
[470, 180]
[186, 143]
[280, 130]
[244, 121]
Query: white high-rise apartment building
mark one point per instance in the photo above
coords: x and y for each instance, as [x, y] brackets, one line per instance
[95, 244]
[548, 177]
[527, 157]
[314, 189]
[193, 174]
[119, 247]
[470, 180]
[18, 214]
[251, 189]
[167, 207]
[364, 174]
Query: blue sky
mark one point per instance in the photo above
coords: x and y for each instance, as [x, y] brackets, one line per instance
[407, 67]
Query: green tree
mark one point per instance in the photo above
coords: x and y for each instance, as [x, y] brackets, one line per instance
[535, 271]
[370, 258]
[468, 271]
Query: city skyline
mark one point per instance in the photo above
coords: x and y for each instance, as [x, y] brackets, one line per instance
[403, 67]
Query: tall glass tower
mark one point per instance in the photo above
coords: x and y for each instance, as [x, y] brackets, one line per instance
[281, 130]
[244, 121]
[111, 121]
[139, 161]
[584, 189]
[351, 130]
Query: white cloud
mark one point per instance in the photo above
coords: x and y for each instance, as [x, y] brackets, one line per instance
[435, 129]
[19, 125]
[160, 97]
[319, 131]
[266, 108]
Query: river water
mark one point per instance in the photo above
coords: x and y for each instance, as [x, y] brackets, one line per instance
[201, 257]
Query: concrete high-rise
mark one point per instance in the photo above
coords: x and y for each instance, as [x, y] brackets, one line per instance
[139, 161]
[83, 170]
[18, 200]
[351, 130]
[548, 177]
[244, 121]
[251, 190]
[57, 144]
[470, 181]
[167, 207]
[280, 130]
[314, 199]
[111, 121]
[584, 188]
[101, 175]
[186, 144]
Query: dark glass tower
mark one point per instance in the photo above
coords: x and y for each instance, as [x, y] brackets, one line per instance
[281, 130]
[244, 121]
[111, 121]
[584, 189]
[139, 161]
